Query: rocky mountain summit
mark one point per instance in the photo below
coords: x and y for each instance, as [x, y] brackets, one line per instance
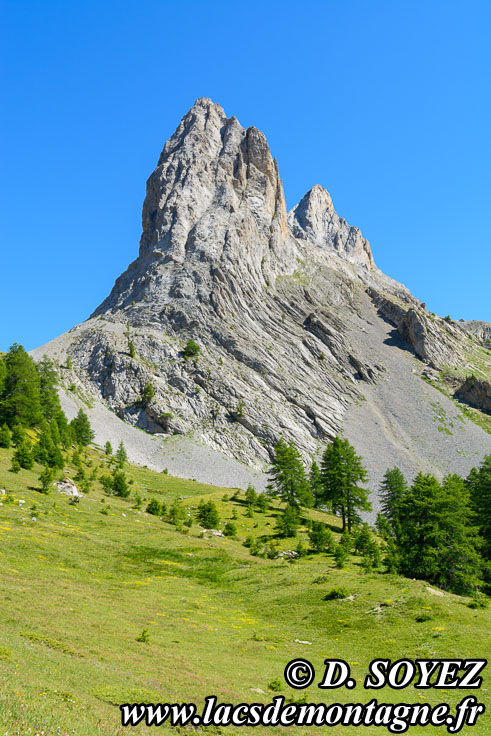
[293, 320]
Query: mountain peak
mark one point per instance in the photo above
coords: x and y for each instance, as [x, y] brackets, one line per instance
[315, 220]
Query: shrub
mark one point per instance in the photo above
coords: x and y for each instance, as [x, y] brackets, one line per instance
[336, 594]
[340, 555]
[144, 637]
[275, 685]
[120, 484]
[262, 504]
[251, 495]
[46, 479]
[154, 507]
[191, 349]
[108, 448]
[288, 522]
[148, 393]
[230, 530]
[321, 537]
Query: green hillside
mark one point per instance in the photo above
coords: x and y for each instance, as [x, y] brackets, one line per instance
[80, 583]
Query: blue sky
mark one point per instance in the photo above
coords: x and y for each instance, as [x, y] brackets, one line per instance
[386, 104]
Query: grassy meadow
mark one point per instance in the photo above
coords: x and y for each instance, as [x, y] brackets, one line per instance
[79, 583]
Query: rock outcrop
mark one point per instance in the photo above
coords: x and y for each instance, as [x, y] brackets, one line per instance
[476, 393]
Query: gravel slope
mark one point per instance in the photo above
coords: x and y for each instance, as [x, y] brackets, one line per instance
[404, 420]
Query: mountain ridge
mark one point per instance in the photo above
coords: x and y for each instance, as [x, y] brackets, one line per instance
[288, 309]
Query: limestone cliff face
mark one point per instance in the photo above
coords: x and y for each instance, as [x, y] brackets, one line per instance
[278, 303]
[214, 215]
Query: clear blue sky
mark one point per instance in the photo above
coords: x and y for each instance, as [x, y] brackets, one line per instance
[385, 103]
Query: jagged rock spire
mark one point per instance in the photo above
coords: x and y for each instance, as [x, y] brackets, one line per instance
[315, 220]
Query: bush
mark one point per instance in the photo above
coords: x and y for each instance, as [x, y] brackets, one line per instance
[144, 637]
[154, 507]
[336, 594]
[275, 685]
[262, 504]
[148, 393]
[340, 555]
[230, 530]
[120, 484]
[191, 349]
[288, 522]
[251, 495]
[321, 537]
[46, 478]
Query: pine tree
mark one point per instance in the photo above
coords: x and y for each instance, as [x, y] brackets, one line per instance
[437, 540]
[341, 471]
[21, 401]
[315, 479]
[64, 429]
[48, 380]
[288, 521]
[287, 475]
[46, 478]
[321, 537]
[82, 429]
[148, 393]
[251, 495]
[120, 484]
[55, 432]
[18, 435]
[5, 438]
[393, 490]
[108, 448]
[121, 455]
[207, 515]
[479, 484]
[23, 455]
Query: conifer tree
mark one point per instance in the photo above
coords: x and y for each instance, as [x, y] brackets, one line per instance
[64, 429]
[315, 479]
[20, 402]
[251, 495]
[287, 475]
[46, 479]
[5, 438]
[437, 540]
[18, 435]
[23, 455]
[288, 521]
[82, 429]
[108, 450]
[121, 454]
[479, 484]
[341, 471]
[392, 491]
[48, 380]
